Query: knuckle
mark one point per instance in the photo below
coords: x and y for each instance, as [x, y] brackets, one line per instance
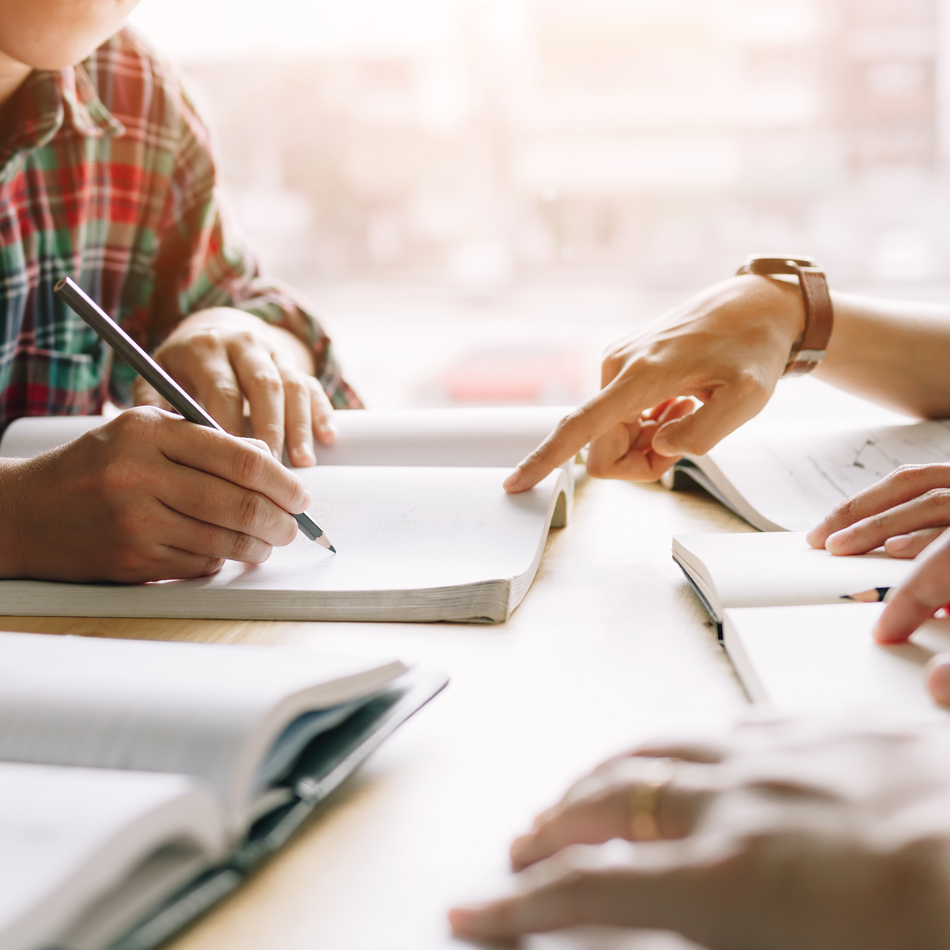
[937, 500]
[908, 474]
[250, 466]
[226, 389]
[253, 512]
[245, 548]
[265, 381]
[209, 565]
[296, 386]
[246, 338]
[204, 339]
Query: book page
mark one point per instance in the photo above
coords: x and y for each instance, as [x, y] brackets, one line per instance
[457, 437]
[210, 711]
[33, 435]
[69, 836]
[402, 529]
[796, 479]
[780, 568]
[489, 437]
[823, 658]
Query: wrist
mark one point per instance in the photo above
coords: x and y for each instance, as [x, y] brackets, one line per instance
[774, 302]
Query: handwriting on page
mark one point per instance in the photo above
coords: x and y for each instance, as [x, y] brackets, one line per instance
[851, 464]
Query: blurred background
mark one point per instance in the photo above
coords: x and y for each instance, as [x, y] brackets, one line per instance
[478, 196]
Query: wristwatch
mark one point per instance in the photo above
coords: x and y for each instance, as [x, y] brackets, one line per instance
[809, 349]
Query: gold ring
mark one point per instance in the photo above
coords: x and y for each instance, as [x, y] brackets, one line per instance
[644, 821]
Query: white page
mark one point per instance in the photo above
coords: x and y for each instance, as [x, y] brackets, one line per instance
[211, 711]
[32, 435]
[403, 529]
[395, 529]
[823, 658]
[780, 568]
[796, 478]
[68, 836]
[459, 437]
[490, 437]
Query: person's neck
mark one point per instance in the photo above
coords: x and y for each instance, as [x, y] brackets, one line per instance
[12, 75]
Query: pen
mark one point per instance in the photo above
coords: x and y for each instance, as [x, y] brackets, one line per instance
[155, 376]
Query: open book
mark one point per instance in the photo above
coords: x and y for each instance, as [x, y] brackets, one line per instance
[777, 569]
[823, 658]
[789, 482]
[140, 782]
[437, 541]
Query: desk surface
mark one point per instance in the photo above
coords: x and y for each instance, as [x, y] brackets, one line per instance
[608, 648]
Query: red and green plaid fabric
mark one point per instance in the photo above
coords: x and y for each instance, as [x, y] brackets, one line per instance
[107, 176]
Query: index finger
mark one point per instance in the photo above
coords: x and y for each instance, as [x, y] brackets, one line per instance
[611, 405]
[920, 596]
[660, 886]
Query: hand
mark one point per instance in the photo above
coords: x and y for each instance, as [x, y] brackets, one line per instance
[905, 511]
[222, 356]
[784, 836]
[144, 497]
[727, 347]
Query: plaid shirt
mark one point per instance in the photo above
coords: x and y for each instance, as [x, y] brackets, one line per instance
[107, 177]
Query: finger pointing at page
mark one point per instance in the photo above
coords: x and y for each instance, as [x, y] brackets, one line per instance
[726, 347]
[920, 596]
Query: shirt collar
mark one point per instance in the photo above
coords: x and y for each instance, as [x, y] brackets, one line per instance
[46, 102]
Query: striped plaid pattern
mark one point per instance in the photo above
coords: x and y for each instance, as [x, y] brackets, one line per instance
[108, 177]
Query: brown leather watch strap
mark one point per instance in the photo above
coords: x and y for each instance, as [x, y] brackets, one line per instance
[809, 349]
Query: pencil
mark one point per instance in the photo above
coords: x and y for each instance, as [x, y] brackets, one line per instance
[156, 377]
[873, 596]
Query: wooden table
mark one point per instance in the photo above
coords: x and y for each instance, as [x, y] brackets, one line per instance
[609, 647]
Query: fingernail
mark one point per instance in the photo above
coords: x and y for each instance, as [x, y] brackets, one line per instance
[303, 456]
[466, 919]
[328, 425]
[839, 538]
[518, 848]
[901, 543]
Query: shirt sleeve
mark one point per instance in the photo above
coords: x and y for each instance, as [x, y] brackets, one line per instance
[202, 262]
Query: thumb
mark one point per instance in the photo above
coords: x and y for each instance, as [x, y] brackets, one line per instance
[698, 432]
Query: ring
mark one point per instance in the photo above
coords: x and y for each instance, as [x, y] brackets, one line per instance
[645, 800]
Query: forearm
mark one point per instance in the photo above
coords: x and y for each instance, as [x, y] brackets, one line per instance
[892, 352]
[11, 556]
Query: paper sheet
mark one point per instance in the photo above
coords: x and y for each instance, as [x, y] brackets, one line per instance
[402, 529]
[796, 479]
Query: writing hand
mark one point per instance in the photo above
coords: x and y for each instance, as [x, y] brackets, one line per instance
[905, 511]
[223, 356]
[726, 347]
[145, 497]
[785, 834]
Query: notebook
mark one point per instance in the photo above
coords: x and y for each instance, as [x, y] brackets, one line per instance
[437, 542]
[789, 480]
[823, 658]
[777, 569]
[141, 782]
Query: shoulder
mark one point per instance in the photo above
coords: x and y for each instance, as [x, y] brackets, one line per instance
[139, 86]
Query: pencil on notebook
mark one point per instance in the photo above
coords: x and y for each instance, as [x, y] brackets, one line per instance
[875, 595]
